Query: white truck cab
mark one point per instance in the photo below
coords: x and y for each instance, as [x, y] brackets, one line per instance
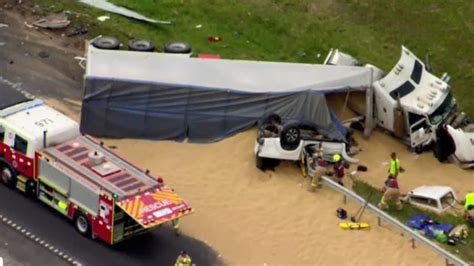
[411, 102]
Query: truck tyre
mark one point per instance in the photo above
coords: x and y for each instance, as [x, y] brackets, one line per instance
[108, 43]
[438, 153]
[419, 149]
[260, 162]
[290, 137]
[273, 119]
[30, 188]
[141, 46]
[82, 225]
[8, 175]
[177, 48]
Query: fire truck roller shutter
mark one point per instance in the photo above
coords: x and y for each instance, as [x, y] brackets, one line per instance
[85, 197]
[54, 176]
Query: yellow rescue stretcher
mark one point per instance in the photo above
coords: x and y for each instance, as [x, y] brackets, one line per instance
[353, 226]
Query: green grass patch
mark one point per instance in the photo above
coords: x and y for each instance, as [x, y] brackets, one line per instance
[466, 252]
[305, 30]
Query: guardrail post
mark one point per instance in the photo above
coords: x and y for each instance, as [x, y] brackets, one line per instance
[413, 243]
[379, 221]
[344, 199]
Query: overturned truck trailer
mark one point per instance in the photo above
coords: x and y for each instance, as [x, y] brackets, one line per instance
[131, 94]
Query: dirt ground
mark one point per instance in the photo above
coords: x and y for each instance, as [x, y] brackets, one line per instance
[256, 218]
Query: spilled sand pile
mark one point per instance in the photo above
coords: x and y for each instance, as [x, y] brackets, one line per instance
[252, 218]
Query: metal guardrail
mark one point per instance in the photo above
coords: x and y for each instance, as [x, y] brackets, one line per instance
[392, 221]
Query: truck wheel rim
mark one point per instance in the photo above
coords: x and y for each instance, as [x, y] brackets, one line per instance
[82, 224]
[291, 135]
[6, 175]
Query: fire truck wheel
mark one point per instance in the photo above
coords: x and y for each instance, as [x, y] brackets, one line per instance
[8, 175]
[82, 225]
[30, 189]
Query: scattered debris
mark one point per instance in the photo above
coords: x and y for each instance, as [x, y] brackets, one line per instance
[198, 26]
[2, 25]
[2, 44]
[103, 18]
[80, 31]
[104, 5]
[82, 61]
[43, 54]
[30, 26]
[55, 21]
[214, 39]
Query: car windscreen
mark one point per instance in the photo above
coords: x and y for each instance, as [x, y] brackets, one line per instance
[417, 72]
[403, 90]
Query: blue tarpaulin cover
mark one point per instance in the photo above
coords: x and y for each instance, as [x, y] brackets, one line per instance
[131, 94]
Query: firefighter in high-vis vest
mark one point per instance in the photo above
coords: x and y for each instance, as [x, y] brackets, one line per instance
[175, 224]
[391, 194]
[395, 167]
[338, 168]
[469, 206]
[183, 259]
[320, 168]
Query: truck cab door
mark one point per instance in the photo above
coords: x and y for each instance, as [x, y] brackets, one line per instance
[419, 133]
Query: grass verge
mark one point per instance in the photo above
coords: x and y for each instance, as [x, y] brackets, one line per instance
[466, 252]
[305, 30]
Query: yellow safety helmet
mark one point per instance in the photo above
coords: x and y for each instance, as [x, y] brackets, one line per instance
[336, 158]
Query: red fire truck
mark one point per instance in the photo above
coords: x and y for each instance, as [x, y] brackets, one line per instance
[43, 154]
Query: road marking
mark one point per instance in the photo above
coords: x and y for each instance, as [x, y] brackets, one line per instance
[33, 237]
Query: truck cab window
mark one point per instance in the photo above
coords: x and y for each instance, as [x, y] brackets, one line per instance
[413, 118]
[2, 133]
[21, 145]
[417, 72]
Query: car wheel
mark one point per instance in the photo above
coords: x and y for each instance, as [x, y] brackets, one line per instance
[82, 225]
[290, 137]
[8, 176]
[260, 162]
[178, 48]
[141, 46]
[438, 153]
[273, 119]
[109, 43]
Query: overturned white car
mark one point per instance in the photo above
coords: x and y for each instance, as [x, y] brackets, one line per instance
[293, 141]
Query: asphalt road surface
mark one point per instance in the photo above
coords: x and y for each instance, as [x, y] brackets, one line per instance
[16, 249]
[161, 247]
[57, 75]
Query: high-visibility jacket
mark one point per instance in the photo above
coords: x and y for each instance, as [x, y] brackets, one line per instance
[394, 167]
[183, 261]
[469, 201]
